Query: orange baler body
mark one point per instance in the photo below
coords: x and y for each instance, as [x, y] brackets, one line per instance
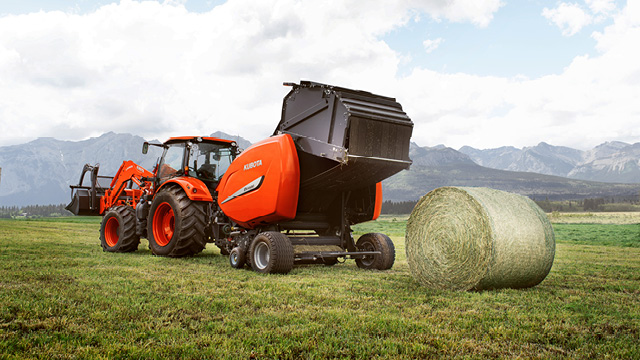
[262, 184]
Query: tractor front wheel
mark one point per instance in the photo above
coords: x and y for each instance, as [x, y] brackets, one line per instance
[376, 242]
[271, 252]
[118, 230]
[176, 225]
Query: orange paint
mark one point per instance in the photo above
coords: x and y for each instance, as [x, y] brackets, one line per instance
[195, 189]
[378, 206]
[261, 186]
[205, 138]
[163, 224]
[127, 171]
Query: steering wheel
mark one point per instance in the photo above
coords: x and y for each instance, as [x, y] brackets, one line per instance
[207, 171]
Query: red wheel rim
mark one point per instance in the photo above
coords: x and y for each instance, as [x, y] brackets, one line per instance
[163, 224]
[111, 232]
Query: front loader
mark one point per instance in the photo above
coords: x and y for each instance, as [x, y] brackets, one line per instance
[289, 199]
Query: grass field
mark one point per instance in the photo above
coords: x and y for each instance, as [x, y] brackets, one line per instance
[63, 297]
[615, 218]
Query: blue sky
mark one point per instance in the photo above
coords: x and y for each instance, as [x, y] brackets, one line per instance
[519, 41]
[484, 73]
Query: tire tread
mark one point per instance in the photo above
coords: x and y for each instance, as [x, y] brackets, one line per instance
[382, 243]
[191, 237]
[129, 239]
[281, 253]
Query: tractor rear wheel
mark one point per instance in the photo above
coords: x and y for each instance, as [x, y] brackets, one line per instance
[376, 242]
[271, 252]
[118, 230]
[176, 225]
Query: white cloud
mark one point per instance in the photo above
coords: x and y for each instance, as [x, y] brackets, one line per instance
[478, 12]
[601, 6]
[595, 99]
[570, 18]
[158, 70]
[431, 45]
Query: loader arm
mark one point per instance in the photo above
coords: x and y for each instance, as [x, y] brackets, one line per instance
[118, 193]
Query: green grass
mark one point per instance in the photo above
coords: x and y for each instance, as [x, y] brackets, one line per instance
[63, 297]
[625, 235]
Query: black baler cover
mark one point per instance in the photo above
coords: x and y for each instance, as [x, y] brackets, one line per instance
[346, 138]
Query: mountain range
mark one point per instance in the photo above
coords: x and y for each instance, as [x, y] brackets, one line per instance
[438, 166]
[40, 172]
[615, 162]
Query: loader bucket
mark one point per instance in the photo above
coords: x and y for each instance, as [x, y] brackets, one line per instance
[81, 203]
[346, 139]
[85, 199]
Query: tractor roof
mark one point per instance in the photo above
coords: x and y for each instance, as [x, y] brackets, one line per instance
[180, 139]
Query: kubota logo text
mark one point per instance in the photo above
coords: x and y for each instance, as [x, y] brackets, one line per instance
[252, 164]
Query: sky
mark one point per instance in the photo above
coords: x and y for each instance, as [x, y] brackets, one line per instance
[482, 73]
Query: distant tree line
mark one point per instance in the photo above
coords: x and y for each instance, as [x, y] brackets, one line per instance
[592, 204]
[33, 211]
[398, 208]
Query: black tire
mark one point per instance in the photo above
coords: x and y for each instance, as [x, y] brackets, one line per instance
[271, 252]
[376, 242]
[118, 230]
[176, 225]
[328, 261]
[238, 257]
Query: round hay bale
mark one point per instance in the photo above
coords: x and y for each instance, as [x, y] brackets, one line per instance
[462, 238]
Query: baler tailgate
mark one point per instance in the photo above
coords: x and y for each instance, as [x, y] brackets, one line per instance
[354, 138]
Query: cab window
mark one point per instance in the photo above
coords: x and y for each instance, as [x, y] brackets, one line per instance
[172, 161]
[208, 162]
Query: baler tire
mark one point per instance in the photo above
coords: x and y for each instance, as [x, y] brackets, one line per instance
[271, 252]
[118, 230]
[329, 261]
[238, 257]
[176, 225]
[376, 242]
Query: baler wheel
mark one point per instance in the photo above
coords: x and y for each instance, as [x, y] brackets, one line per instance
[271, 252]
[238, 257]
[118, 230]
[376, 242]
[176, 225]
[329, 261]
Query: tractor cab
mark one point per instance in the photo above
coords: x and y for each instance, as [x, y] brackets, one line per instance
[203, 158]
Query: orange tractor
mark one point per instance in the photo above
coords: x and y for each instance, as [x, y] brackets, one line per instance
[289, 199]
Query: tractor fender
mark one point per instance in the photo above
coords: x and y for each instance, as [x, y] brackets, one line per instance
[195, 189]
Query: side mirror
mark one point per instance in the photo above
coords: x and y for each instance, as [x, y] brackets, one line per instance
[145, 147]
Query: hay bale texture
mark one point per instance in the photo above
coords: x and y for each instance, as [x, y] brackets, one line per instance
[463, 238]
